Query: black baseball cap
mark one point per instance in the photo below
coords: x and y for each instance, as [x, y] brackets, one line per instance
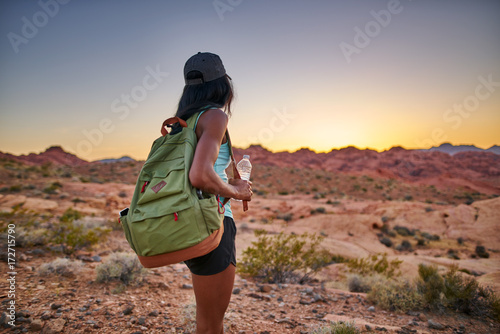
[209, 64]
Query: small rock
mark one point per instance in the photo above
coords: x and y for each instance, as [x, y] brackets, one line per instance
[142, 321]
[128, 310]
[53, 327]
[371, 309]
[265, 288]
[255, 295]
[46, 315]
[435, 325]
[187, 286]
[162, 285]
[4, 320]
[236, 291]
[153, 313]
[422, 317]
[305, 302]
[23, 313]
[55, 306]
[36, 325]
[317, 297]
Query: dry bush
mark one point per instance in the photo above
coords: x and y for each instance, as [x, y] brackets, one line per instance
[396, 295]
[284, 258]
[123, 267]
[338, 328]
[61, 267]
[375, 264]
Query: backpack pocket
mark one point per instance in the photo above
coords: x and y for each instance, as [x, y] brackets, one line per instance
[210, 211]
[170, 181]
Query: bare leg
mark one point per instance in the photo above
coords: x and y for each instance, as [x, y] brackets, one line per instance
[213, 294]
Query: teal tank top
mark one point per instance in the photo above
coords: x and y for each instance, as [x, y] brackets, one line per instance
[222, 162]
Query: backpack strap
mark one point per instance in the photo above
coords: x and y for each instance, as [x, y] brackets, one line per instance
[169, 122]
[236, 174]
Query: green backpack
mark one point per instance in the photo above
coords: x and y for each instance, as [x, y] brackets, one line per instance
[170, 221]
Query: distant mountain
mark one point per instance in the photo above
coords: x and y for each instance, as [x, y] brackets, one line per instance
[478, 169]
[452, 149]
[54, 154]
[466, 164]
[122, 159]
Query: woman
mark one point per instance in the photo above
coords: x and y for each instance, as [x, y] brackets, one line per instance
[209, 90]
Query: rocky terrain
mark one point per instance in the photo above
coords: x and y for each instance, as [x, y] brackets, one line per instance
[349, 196]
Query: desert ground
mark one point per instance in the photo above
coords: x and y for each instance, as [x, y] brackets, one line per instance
[450, 214]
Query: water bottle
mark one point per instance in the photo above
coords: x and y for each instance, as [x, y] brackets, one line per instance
[245, 168]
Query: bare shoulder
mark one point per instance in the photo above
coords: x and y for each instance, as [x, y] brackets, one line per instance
[213, 119]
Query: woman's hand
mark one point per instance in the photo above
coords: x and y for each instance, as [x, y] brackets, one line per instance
[243, 189]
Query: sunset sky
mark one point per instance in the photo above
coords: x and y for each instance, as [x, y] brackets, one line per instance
[99, 77]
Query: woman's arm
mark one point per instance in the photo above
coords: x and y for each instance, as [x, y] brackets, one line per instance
[210, 131]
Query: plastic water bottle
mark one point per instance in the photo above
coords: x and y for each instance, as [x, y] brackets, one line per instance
[244, 168]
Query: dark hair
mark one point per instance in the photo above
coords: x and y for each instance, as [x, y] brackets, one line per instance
[216, 93]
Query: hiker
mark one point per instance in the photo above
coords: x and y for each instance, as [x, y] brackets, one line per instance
[209, 89]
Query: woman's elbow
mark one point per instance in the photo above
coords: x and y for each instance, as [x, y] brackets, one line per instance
[197, 179]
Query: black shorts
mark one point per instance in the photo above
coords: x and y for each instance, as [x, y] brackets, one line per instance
[219, 259]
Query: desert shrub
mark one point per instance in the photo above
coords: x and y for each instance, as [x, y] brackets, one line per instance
[375, 264]
[32, 236]
[284, 258]
[123, 267]
[318, 210]
[493, 301]
[60, 267]
[338, 328]
[430, 285]
[53, 188]
[358, 283]
[386, 241]
[428, 236]
[405, 246]
[15, 188]
[70, 215]
[457, 292]
[403, 231]
[396, 295]
[481, 252]
[73, 235]
[464, 294]
[286, 217]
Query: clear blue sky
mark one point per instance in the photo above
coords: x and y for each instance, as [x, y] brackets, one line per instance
[99, 77]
